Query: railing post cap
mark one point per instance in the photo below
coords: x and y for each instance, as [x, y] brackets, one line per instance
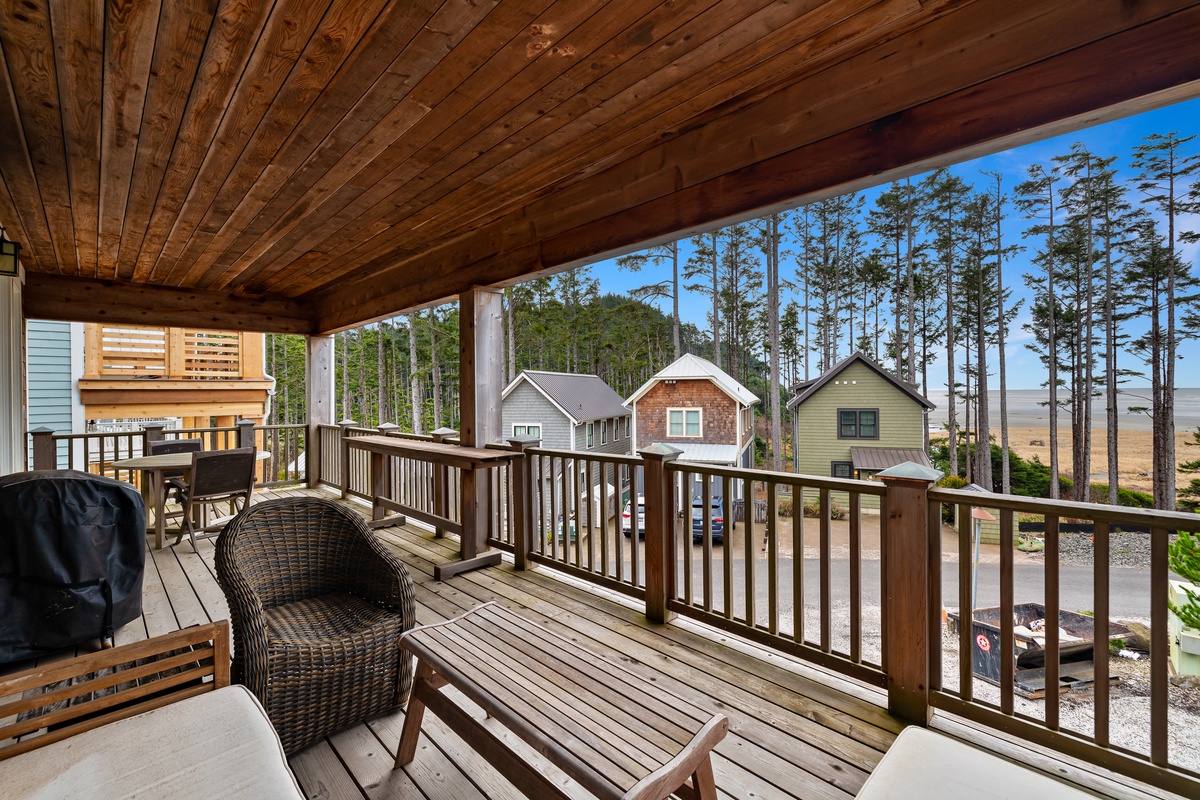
[346, 422]
[445, 432]
[910, 471]
[42, 429]
[659, 450]
[388, 426]
[249, 422]
[525, 440]
[146, 426]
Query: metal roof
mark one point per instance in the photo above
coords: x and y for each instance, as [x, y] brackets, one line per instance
[708, 453]
[690, 367]
[581, 397]
[877, 458]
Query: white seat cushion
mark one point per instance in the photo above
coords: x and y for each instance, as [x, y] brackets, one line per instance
[930, 766]
[218, 744]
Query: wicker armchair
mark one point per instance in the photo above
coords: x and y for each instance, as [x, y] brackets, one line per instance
[317, 606]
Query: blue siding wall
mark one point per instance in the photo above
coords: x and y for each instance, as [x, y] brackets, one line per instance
[48, 356]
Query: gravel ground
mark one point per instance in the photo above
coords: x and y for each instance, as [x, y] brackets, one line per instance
[1129, 706]
[1125, 549]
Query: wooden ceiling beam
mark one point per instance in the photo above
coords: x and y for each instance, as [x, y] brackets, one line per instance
[58, 297]
[1160, 64]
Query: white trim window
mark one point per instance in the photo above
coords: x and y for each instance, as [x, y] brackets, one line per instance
[685, 423]
[529, 429]
[591, 435]
[603, 431]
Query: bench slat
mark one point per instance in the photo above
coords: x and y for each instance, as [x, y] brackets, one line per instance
[616, 733]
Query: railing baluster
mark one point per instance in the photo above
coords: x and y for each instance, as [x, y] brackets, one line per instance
[591, 515]
[602, 525]
[855, 578]
[966, 614]
[707, 543]
[772, 536]
[933, 542]
[826, 599]
[798, 523]
[685, 541]
[557, 487]
[1159, 645]
[751, 611]
[1052, 616]
[1008, 657]
[727, 552]
[1100, 603]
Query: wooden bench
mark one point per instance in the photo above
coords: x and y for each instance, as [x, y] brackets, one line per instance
[617, 734]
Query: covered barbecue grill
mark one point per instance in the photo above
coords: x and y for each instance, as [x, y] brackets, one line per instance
[72, 553]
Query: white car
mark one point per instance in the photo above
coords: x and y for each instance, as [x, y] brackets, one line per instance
[627, 518]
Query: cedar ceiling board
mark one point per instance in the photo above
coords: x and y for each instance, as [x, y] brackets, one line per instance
[453, 21]
[1160, 57]
[836, 99]
[26, 37]
[334, 41]
[387, 252]
[78, 30]
[656, 173]
[538, 104]
[441, 90]
[129, 37]
[29, 225]
[57, 297]
[180, 46]
[232, 38]
[358, 97]
[284, 41]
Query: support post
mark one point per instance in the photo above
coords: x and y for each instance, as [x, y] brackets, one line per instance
[660, 530]
[441, 481]
[906, 552]
[480, 365]
[318, 353]
[245, 433]
[344, 453]
[151, 432]
[12, 376]
[45, 453]
[520, 473]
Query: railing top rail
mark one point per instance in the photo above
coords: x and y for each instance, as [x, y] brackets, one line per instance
[792, 478]
[1144, 517]
[608, 458]
[414, 437]
[281, 426]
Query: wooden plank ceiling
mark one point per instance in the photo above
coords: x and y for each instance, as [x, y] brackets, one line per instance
[307, 165]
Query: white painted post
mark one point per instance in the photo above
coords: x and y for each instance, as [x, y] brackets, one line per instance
[12, 378]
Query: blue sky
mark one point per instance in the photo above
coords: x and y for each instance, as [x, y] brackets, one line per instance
[1114, 138]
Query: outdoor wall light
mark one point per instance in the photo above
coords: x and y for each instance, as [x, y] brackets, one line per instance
[9, 251]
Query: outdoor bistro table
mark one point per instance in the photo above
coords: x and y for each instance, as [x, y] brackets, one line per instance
[154, 490]
[472, 528]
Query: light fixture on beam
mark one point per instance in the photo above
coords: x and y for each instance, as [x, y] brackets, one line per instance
[9, 251]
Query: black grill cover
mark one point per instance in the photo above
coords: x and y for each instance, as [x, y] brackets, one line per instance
[72, 553]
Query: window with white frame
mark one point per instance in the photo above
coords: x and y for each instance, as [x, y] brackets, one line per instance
[528, 430]
[591, 435]
[685, 422]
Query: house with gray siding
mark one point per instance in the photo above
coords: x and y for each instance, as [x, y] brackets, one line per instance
[54, 363]
[570, 412]
[857, 419]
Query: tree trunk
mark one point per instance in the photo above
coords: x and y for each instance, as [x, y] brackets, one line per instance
[436, 364]
[414, 378]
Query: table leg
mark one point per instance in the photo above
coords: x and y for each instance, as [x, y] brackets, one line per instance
[473, 549]
[160, 507]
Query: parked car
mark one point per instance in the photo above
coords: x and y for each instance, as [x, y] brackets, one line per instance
[627, 518]
[718, 520]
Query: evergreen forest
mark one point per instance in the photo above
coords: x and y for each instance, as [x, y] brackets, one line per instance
[923, 278]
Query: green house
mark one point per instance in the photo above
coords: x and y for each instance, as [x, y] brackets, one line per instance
[857, 419]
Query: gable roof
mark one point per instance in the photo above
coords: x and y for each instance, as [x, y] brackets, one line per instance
[808, 388]
[691, 367]
[579, 397]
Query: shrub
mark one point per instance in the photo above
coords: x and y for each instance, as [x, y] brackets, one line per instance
[813, 510]
[783, 506]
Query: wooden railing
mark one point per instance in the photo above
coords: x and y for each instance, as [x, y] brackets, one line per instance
[955, 687]
[95, 452]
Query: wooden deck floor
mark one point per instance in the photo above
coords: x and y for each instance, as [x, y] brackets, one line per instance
[795, 731]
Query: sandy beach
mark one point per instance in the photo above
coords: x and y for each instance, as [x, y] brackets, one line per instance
[1029, 432]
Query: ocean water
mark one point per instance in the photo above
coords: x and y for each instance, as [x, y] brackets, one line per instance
[1028, 408]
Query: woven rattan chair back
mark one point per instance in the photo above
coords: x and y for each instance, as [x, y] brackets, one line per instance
[296, 548]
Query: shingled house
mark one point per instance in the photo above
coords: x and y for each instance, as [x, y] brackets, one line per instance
[694, 405]
[857, 419]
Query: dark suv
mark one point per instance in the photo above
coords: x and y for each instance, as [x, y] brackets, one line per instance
[718, 521]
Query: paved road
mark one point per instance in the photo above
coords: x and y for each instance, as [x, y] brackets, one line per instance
[1129, 587]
